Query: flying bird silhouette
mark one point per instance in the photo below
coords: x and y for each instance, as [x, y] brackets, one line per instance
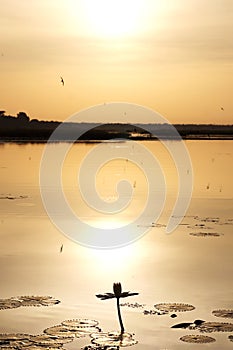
[222, 109]
[62, 81]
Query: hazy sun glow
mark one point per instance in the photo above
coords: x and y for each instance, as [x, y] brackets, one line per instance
[111, 18]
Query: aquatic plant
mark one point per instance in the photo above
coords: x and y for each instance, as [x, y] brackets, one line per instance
[14, 302]
[73, 328]
[205, 234]
[223, 313]
[197, 339]
[117, 293]
[108, 340]
[174, 307]
[209, 327]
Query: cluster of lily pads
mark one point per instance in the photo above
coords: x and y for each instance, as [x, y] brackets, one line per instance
[199, 325]
[12, 197]
[163, 308]
[206, 327]
[53, 338]
[200, 229]
[25, 300]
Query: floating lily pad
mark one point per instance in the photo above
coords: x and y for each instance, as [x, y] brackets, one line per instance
[20, 343]
[154, 312]
[80, 322]
[70, 331]
[174, 307]
[223, 313]
[197, 339]
[189, 325]
[199, 226]
[209, 327]
[49, 340]
[36, 300]
[14, 336]
[40, 347]
[60, 331]
[9, 196]
[205, 234]
[98, 347]
[133, 305]
[113, 339]
[207, 219]
[15, 340]
[230, 337]
[9, 304]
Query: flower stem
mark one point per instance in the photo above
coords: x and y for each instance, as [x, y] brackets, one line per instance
[119, 315]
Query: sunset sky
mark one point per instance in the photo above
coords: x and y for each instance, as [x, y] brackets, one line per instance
[174, 56]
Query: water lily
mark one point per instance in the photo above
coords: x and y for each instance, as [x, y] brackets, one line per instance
[117, 289]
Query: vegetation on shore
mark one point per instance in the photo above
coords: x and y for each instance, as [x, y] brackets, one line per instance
[21, 127]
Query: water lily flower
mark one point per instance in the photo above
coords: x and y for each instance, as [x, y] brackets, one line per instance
[117, 289]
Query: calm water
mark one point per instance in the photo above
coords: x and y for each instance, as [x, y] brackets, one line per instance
[163, 268]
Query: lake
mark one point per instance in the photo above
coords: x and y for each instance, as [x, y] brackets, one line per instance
[191, 265]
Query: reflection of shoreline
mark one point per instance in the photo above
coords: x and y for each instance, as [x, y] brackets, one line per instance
[22, 140]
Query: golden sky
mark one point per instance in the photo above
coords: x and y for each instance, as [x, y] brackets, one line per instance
[174, 56]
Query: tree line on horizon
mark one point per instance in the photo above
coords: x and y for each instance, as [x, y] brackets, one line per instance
[21, 126]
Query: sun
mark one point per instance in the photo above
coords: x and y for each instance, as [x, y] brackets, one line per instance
[113, 18]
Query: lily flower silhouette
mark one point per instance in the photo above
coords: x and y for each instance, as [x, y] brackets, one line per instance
[117, 289]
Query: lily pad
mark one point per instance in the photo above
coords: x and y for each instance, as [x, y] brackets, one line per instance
[36, 300]
[98, 347]
[200, 226]
[60, 331]
[40, 347]
[48, 340]
[14, 336]
[223, 313]
[205, 234]
[133, 305]
[80, 323]
[209, 327]
[207, 219]
[70, 331]
[113, 339]
[154, 312]
[197, 339]
[15, 340]
[174, 307]
[9, 304]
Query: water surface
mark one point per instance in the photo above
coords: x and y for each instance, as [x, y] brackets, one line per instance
[163, 268]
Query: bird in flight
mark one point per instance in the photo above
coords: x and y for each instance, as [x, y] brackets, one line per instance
[222, 109]
[62, 81]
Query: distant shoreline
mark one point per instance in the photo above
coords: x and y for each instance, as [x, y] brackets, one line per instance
[22, 129]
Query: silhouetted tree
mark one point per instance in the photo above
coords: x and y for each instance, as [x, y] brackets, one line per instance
[22, 117]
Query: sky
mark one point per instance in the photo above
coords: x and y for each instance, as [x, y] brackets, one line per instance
[173, 56]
